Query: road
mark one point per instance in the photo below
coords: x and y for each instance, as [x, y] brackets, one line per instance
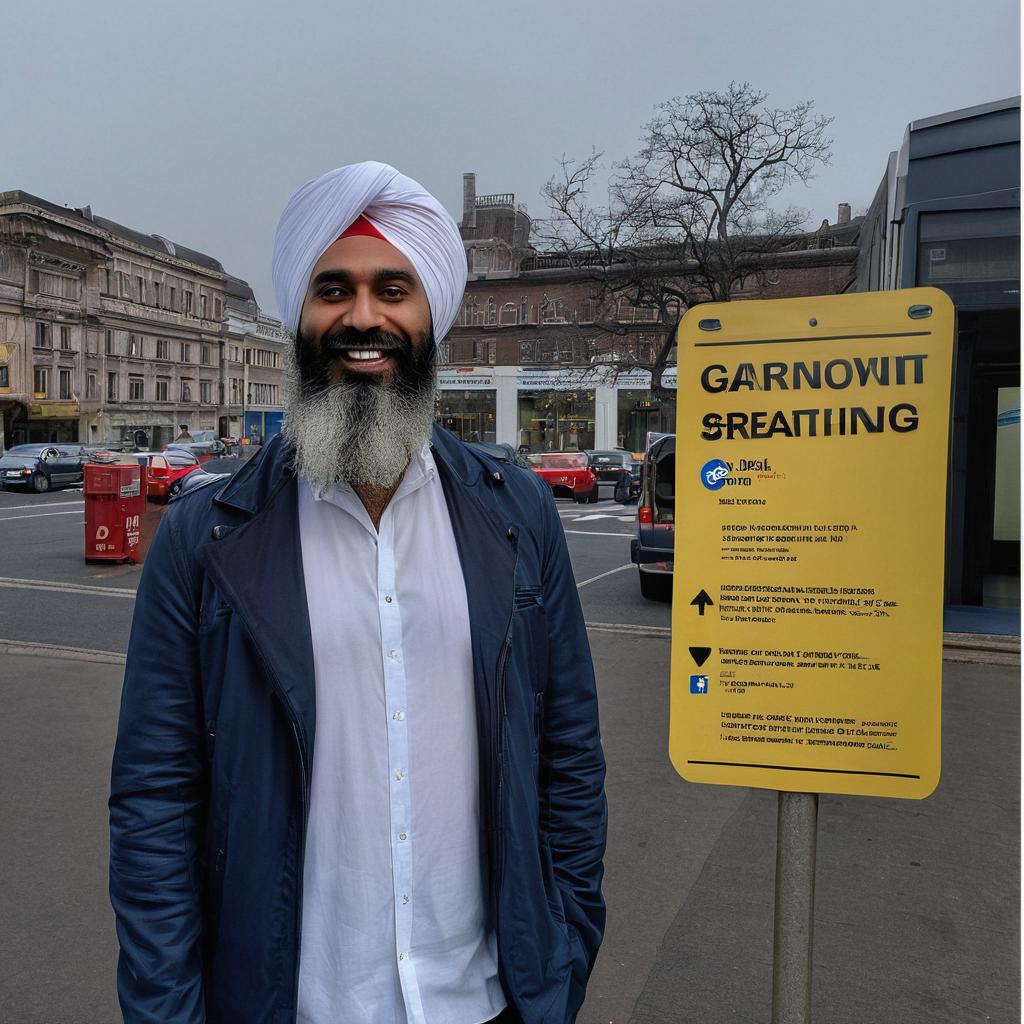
[48, 594]
[917, 906]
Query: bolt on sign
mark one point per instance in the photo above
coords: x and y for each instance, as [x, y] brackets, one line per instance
[811, 452]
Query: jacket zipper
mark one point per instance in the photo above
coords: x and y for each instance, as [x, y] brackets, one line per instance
[501, 708]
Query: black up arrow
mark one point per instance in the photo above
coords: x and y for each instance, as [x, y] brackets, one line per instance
[702, 600]
[700, 654]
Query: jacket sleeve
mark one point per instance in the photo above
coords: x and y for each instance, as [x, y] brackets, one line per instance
[574, 810]
[157, 798]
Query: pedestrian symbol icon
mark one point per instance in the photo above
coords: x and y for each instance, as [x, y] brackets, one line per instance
[698, 684]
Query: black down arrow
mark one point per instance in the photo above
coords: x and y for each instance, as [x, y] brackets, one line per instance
[702, 600]
[700, 654]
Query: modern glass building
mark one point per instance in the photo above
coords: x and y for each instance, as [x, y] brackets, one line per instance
[947, 214]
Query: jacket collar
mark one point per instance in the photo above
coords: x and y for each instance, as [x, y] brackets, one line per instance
[252, 486]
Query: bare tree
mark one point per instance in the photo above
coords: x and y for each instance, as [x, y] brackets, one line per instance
[691, 217]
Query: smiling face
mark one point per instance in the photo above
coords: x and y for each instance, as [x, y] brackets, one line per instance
[359, 383]
[365, 311]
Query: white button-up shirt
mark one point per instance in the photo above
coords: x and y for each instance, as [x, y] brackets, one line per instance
[394, 927]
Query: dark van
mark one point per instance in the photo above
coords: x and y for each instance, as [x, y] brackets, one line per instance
[653, 546]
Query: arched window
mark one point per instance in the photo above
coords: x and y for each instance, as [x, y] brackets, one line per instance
[509, 314]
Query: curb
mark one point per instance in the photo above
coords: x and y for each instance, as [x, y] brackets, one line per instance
[65, 653]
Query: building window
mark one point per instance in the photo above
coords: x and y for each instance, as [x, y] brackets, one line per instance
[142, 288]
[5, 376]
[136, 389]
[65, 337]
[202, 305]
[163, 348]
[216, 308]
[57, 285]
[204, 355]
[524, 309]
[64, 384]
[162, 388]
[186, 352]
[90, 386]
[108, 343]
[104, 281]
[188, 303]
[509, 314]
[156, 293]
[111, 387]
[174, 298]
[41, 382]
[186, 391]
[134, 345]
[205, 392]
[262, 394]
[42, 334]
[236, 391]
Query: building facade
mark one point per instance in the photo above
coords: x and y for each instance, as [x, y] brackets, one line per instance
[108, 333]
[947, 214]
[533, 360]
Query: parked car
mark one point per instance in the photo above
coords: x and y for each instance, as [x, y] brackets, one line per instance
[208, 448]
[42, 467]
[164, 468]
[652, 549]
[612, 467]
[567, 474]
[501, 452]
[636, 465]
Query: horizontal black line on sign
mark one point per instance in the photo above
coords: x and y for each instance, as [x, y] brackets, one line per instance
[792, 768]
[830, 337]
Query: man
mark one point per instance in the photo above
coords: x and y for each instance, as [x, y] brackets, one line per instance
[358, 772]
[184, 437]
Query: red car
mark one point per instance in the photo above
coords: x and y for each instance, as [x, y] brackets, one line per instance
[163, 468]
[567, 474]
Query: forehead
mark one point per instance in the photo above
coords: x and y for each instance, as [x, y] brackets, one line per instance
[361, 255]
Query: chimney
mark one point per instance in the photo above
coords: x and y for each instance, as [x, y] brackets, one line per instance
[844, 214]
[469, 200]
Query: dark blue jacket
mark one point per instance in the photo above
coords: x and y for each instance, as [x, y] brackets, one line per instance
[211, 772]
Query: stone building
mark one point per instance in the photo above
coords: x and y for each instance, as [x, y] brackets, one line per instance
[533, 361]
[106, 332]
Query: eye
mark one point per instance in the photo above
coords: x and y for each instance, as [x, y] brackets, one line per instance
[332, 291]
[392, 291]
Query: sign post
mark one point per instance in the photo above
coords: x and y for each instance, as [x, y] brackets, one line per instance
[811, 451]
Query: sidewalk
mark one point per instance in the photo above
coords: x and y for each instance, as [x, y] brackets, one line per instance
[917, 902]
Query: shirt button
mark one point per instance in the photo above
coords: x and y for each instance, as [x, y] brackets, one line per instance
[402, 836]
[393, 655]
[401, 956]
[399, 716]
[399, 775]
[388, 599]
[405, 899]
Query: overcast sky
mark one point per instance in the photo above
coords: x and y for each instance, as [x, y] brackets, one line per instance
[197, 119]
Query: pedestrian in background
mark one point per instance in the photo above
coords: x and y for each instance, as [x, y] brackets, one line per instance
[358, 773]
[184, 437]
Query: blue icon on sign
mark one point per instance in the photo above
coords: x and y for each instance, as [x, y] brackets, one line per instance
[713, 474]
[698, 684]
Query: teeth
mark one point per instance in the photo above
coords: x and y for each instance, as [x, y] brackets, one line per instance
[364, 353]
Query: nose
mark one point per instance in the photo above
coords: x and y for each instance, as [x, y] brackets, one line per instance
[364, 312]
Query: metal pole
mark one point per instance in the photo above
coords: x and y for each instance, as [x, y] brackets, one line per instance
[794, 908]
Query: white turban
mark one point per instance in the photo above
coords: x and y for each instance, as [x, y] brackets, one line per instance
[408, 217]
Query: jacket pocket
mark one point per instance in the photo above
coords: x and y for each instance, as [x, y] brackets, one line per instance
[550, 887]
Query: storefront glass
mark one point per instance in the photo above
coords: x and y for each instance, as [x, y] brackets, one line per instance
[639, 413]
[467, 414]
[556, 421]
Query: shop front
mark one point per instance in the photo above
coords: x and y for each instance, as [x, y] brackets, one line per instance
[640, 411]
[54, 422]
[466, 402]
[556, 410]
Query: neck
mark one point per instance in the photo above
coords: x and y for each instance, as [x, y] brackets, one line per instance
[375, 498]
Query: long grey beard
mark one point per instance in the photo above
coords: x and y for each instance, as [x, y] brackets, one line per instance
[359, 432]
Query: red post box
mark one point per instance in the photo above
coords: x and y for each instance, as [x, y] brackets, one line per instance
[115, 500]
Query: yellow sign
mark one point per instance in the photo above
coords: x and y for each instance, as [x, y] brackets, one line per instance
[811, 448]
[53, 410]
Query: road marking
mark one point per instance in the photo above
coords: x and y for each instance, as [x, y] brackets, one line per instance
[64, 588]
[591, 518]
[44, 504]
[596, 533]
[28, 648]
[661, 632]
[40, 515]
[610, 572]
